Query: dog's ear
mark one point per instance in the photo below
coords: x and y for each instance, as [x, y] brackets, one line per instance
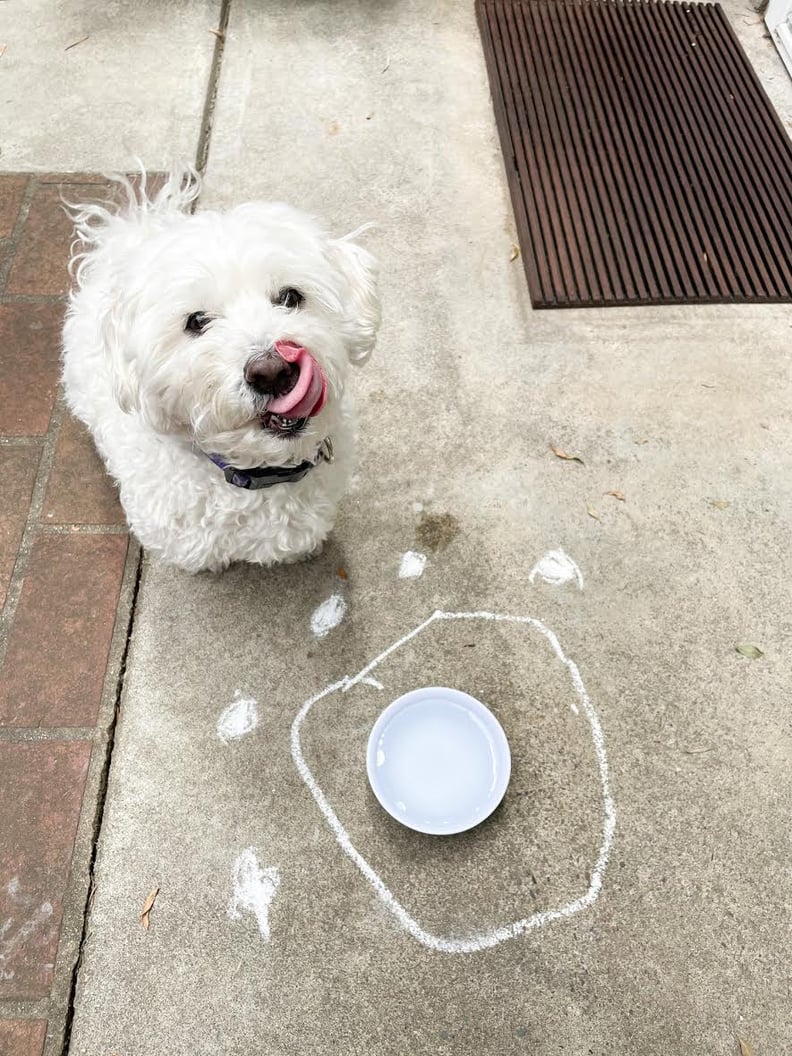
[123, 371]
[361, 305]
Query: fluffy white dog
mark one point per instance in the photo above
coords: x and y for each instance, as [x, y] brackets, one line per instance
[208, 354]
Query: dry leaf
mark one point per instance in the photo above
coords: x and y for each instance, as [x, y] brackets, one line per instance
[76, 42]
[515, 252]
[146, 911]
[643, 440]
[719, 504]
[617, 495]
[567, 458]
[592, 513]
[218, 33]
[751, 651]
[341, 572]
[746, 1049]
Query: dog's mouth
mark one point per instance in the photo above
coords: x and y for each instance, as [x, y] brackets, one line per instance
[280, 425]
[288, 414]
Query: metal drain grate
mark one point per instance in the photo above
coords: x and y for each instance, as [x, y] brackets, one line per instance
[645, 162]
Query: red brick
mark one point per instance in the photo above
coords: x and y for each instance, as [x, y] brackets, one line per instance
[80, 491]
[12, 189]
[29, 366]
[60, 638]
[22, 1037]
[40, 265]
[41, 792]
[18, 467]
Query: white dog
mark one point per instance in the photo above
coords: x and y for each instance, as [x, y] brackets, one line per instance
[207, 353]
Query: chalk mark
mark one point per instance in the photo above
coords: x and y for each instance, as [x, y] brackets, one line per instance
[328, 615]
[487, 939]
[556, 568]
[412, 565]
[254, 890]
[239, 718]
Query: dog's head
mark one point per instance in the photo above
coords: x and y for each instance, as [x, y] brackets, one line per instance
[237, 328]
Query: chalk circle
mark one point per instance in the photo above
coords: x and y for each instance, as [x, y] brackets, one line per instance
[498, 933]
[438, 761]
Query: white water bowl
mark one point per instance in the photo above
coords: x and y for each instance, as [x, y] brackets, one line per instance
[438, 761]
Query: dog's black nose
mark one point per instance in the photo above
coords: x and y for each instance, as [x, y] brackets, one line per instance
[270, 375]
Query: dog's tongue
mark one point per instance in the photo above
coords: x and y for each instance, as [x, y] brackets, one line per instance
[307, 398]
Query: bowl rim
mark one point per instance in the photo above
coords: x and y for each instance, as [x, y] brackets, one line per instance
[494, 728]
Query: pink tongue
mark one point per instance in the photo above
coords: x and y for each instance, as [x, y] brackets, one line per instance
[307, 398]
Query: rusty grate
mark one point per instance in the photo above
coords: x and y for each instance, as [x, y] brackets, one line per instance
[645, 162]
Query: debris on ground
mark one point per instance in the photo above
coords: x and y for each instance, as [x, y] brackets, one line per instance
[751, 651]
[567, 458]
[76, 42]
[145, 913]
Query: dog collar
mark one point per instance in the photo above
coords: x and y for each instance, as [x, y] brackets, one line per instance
[269, 476]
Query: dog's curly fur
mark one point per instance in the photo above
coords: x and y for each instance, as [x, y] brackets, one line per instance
[158, 398]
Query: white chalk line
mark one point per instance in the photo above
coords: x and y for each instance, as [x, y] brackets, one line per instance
[487, 939]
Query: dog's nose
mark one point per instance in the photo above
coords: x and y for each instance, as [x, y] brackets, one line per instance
[270, 375]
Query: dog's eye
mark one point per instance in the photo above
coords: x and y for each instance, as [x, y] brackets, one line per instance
[290, 298]
[197, 322]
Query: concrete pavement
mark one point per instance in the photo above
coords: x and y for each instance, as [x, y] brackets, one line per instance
[685, 412]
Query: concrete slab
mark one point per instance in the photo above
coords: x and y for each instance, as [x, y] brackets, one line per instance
[685, 412]
[88, 87]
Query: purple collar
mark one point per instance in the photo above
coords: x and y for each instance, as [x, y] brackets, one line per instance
[269, 476]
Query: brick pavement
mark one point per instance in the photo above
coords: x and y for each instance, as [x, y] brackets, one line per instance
[68, 574]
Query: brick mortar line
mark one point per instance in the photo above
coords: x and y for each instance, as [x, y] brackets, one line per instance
[36, 734]
[34, 298]
[23, 441]
[22, 1009]
[11, 245]
[72, 528]
[31, 524]
[93, 811]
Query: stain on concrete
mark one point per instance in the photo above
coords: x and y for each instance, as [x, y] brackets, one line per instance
[436, 530]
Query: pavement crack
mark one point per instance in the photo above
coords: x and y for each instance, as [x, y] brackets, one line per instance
[99, 809]
[205, 134]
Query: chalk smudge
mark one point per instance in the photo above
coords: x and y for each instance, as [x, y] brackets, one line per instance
[328, 615]
[239, 718]
[556, 568]
[254, 890]
[412, 565]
